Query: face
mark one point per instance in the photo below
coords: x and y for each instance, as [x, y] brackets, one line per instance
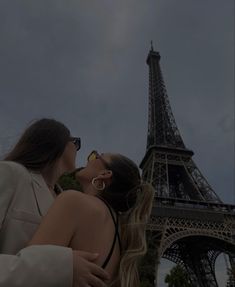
[69, 155]
[97, 166]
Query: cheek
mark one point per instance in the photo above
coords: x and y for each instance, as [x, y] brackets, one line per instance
[69, 158]
[73, 154]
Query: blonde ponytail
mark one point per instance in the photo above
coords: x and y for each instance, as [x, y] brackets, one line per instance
[133, 236]
[132, 199]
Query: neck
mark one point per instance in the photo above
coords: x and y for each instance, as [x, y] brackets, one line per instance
[51, 176]
[88, 188]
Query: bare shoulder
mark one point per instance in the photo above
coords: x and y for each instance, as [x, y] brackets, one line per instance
[83, 204]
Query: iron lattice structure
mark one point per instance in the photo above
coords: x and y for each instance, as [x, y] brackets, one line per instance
[189, 225]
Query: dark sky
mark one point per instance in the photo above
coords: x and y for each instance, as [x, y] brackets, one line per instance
[83, 63]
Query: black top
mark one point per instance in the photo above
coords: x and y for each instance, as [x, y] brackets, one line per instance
[116, 235]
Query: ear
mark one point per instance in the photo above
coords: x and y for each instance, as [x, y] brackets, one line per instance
[105, 174]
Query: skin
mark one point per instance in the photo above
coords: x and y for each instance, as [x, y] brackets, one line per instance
[68, 157]
[85, 269]
[65, 163]
[81, 220]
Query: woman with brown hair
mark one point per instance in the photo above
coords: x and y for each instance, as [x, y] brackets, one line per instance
[109, 217]
[28, 177]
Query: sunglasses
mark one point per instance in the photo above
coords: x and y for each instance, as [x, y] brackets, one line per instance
[95, 155]
[77, 142]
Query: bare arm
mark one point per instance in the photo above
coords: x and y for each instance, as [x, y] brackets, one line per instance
[60, 223]
[58, 227]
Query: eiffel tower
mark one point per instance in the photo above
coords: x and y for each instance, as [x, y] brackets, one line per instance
[189, 224]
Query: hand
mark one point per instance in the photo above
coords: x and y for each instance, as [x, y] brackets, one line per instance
[86, 273]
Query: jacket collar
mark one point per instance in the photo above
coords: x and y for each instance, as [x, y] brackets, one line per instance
[42, 193]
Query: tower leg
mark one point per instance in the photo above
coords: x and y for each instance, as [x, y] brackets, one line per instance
[201, 270]
[231, 273]
[150, 263]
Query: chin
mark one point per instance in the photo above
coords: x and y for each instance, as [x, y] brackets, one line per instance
[80, 172]
[78, 169]
[69, 168]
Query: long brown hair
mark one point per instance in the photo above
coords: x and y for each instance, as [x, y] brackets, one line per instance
[132, 200]
[40, 145]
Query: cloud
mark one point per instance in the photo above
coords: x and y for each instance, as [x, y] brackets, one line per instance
[83, 62]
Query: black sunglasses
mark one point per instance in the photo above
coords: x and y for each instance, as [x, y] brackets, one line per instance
[77, 142]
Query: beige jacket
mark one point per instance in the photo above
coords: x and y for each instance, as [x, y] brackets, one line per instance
[24, 199]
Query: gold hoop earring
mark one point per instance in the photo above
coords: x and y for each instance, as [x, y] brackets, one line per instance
[95, 186]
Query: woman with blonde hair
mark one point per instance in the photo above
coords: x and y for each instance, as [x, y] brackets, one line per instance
[109, 217]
